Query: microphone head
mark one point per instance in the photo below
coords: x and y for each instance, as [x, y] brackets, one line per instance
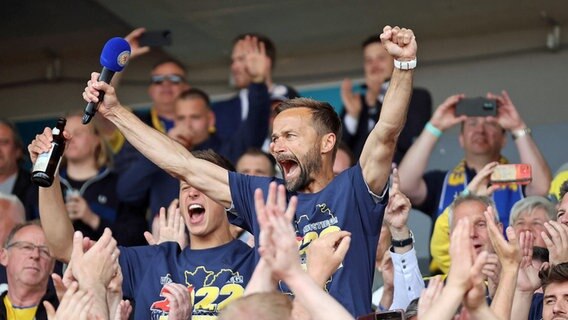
[115, 54]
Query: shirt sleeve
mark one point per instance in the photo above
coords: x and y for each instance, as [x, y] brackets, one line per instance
[242, 212]
[370, 205]
[408, 283]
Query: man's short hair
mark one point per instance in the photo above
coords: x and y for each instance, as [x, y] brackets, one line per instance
[486, 201]
[324, 117]
[256, 152]
[268, 45]
[16, 138]
[370, 40]
[194, 93]
[528, 205]
[173, 61]
[19, 227]
[555, 274]
[563, 189]
[264, 305]
[540, 254]
[213, 157]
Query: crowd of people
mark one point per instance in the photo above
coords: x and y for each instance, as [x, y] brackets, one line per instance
[278, 207]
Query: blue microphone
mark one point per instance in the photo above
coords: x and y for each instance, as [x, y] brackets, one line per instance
[113, 59]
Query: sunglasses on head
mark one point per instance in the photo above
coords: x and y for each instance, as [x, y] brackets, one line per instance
[173, 78]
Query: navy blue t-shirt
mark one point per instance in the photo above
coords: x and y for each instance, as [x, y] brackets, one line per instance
[213, 276]
[535, 312]
[344, 204]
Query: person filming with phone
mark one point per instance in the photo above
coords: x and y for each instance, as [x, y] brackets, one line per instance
[482, 136]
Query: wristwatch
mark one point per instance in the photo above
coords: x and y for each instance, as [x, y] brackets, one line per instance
[521, 133]
[404, 242]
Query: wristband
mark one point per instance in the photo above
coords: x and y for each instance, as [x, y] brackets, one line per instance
[465, 192]
[405, 65]
[433, 130]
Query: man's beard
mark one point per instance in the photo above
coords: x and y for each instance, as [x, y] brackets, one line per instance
[310, 164]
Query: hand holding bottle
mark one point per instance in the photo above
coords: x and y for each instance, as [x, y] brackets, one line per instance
[46, 151]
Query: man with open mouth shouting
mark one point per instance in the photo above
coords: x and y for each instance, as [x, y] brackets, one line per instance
[304, 142]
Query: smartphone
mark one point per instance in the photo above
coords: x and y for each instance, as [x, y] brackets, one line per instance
[158, 38]
[477, 107]
[384, 315]
[511, 173]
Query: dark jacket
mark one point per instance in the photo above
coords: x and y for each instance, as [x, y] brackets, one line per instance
[419, 112]
[41, 314]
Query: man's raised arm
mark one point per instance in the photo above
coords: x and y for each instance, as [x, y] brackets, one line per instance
[377, 154]
[53, 214]
[160, 149]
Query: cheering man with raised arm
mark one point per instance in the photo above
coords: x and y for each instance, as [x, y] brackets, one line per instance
[304, 142]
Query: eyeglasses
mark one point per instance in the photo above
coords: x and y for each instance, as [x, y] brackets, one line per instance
[173, 78]
[29, 248]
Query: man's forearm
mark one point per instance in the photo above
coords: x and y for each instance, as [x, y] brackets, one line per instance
[312, 298]
[173, 157]
[503, 300]
[485, 313]
[261, 280]
[379, 148]
[157, 147]
[521, 305]
[395, 105]
[55, 221]
[529, 153]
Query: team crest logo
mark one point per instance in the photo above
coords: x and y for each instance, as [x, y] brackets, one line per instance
[123, 58]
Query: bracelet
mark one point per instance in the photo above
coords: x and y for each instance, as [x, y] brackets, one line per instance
[521, 133]
[465, 192]
[405, 65]
[433, 130]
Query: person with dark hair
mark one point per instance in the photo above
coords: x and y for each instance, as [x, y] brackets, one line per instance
[563, 189]
[555, 288]
[14, 179]
[361, 111]
[304, 142]
[256, 162]
[29, 263]
[214, 265]
[254, 93]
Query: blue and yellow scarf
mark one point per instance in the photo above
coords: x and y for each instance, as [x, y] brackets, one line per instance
[456, 181]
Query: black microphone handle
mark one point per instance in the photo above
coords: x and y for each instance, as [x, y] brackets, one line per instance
[91, 108]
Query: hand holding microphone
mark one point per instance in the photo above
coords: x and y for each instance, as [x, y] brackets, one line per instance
[114, 58]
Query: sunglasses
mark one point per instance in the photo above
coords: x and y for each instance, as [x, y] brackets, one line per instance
[173, 78]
